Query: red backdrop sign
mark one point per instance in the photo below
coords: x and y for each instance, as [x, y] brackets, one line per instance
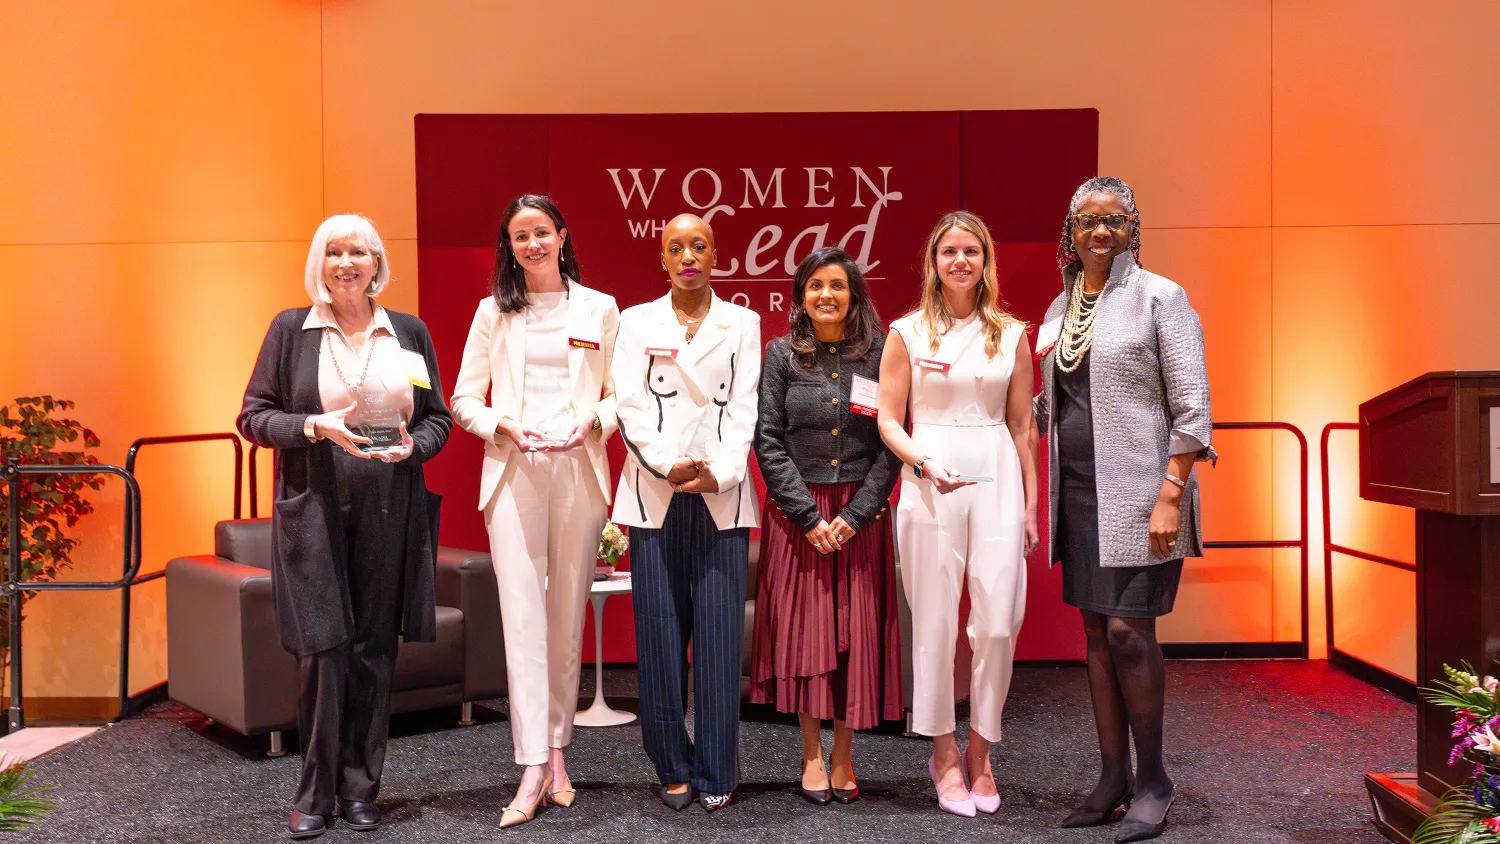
[774, 187]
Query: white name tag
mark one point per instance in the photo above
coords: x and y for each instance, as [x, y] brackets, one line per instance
[414, 366]
[864, 396]
[1046, 336]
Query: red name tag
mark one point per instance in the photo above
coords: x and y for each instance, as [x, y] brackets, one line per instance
[1041, 353]
[583, 344]
[862, 410]
[661, 353]
[934, 365]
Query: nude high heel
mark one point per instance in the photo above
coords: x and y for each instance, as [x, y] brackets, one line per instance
[514, 817]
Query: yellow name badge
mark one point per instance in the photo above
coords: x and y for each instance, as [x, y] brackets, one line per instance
[415, 367]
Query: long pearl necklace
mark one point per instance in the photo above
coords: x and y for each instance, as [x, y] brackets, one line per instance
[1078, 327]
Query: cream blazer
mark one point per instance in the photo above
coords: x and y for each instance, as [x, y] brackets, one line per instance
[666, 388]
[494, 367]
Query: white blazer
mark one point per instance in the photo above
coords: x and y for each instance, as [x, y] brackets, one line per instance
[664, 387]
[494, 367]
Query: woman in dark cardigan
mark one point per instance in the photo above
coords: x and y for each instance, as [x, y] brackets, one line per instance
[354, 527]
[827, 638]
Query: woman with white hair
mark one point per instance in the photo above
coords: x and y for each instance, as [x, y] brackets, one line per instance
[343, 389]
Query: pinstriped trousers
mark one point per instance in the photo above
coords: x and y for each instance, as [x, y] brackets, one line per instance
[689, 585]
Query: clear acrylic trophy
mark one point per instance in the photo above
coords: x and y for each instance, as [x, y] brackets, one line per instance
[969, 461]
[558, 425]
[378, 419]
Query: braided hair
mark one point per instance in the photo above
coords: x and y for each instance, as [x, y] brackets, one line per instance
[1067, 256]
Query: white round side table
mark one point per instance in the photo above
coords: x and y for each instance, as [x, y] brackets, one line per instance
[599, 714]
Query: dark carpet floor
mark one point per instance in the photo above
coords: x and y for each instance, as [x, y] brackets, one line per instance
[1261, 752]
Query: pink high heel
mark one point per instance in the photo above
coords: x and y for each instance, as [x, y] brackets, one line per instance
[987, 803]
[963, 808]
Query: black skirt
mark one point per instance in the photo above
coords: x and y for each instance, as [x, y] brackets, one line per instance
[1123, 592]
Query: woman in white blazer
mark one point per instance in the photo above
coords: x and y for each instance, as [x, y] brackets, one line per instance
[686, 369]
[539, 350]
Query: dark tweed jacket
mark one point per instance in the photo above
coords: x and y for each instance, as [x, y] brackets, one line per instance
[794, 439]
[313, 610]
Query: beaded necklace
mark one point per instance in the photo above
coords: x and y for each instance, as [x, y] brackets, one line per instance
[1078, 326]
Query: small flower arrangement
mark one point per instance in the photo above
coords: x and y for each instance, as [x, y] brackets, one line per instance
[1470, 814]
[612, 543]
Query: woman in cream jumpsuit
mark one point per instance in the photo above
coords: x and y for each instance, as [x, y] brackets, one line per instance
[967, 510]
[540, 347]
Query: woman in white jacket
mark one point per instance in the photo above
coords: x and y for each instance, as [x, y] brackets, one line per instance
[687, 369]
[539, 350]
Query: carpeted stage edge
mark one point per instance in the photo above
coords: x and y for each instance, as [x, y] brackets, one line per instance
[1260, 751]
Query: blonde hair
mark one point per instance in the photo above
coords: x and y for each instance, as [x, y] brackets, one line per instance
[935, 317]
[333, 228]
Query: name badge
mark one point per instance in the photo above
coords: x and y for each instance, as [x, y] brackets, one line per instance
[583, 344]
[1046, 337]
[655, 352]
[934, 365]
[414, 366]
[864, 395]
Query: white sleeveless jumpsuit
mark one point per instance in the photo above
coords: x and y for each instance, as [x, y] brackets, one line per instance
[956, 408]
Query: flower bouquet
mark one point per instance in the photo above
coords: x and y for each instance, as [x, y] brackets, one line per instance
[1468, 814]
[612, 543]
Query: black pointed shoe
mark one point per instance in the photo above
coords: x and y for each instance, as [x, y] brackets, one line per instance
[302, 825]
[359, 815]
[677, 802]
[816, 796]
[1132, 830]
[846, 796]
[1084, 816]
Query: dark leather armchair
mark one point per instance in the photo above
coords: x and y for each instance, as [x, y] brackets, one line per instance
[225, 659]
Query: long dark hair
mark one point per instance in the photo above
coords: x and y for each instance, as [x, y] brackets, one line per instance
[861, 323]
[508, 280]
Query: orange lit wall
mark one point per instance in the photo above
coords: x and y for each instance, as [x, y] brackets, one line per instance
[1314, 172]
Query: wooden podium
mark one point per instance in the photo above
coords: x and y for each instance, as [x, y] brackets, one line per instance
[1433, 444]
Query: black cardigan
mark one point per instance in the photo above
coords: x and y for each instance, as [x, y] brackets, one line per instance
[313, 610]
[795, 441]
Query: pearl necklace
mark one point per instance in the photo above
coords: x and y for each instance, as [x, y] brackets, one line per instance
[1078, 327]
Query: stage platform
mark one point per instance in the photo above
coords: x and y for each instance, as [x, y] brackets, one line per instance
[1261, 752]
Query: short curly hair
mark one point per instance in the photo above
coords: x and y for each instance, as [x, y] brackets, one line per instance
[1067, 256]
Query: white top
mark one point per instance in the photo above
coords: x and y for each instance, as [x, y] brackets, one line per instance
[547, 389]
[385, 387]
[957, 385]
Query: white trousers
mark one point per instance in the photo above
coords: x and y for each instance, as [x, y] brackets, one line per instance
[974, 535]
[544, 525]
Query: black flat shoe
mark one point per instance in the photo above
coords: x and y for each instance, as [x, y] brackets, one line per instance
[1131, 830]
[305, 826]
[846, 796]
[817, 796]
[715, 802]
[677, 802]
[359, 815]
[1084, 816]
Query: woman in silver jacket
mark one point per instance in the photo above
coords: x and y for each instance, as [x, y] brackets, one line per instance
[1125, 406]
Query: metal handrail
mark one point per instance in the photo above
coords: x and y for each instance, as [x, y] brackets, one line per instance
[1301, 543]
[239, 473]
[13, 586]
[254, 484]
[1329, 546]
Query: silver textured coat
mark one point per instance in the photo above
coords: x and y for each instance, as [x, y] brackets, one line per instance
[1148, 384]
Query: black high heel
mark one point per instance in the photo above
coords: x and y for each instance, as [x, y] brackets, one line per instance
[1141, 830]
[1084, 816]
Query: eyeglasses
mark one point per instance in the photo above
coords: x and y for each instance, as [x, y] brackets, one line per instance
[1113, 222]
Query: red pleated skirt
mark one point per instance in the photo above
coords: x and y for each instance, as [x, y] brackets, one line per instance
[827, 635]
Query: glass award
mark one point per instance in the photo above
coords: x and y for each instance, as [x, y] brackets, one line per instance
[968, 461]
[557, 426]
[378, 419]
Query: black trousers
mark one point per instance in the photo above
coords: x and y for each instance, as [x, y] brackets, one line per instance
[344, 709]
[690, 588]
